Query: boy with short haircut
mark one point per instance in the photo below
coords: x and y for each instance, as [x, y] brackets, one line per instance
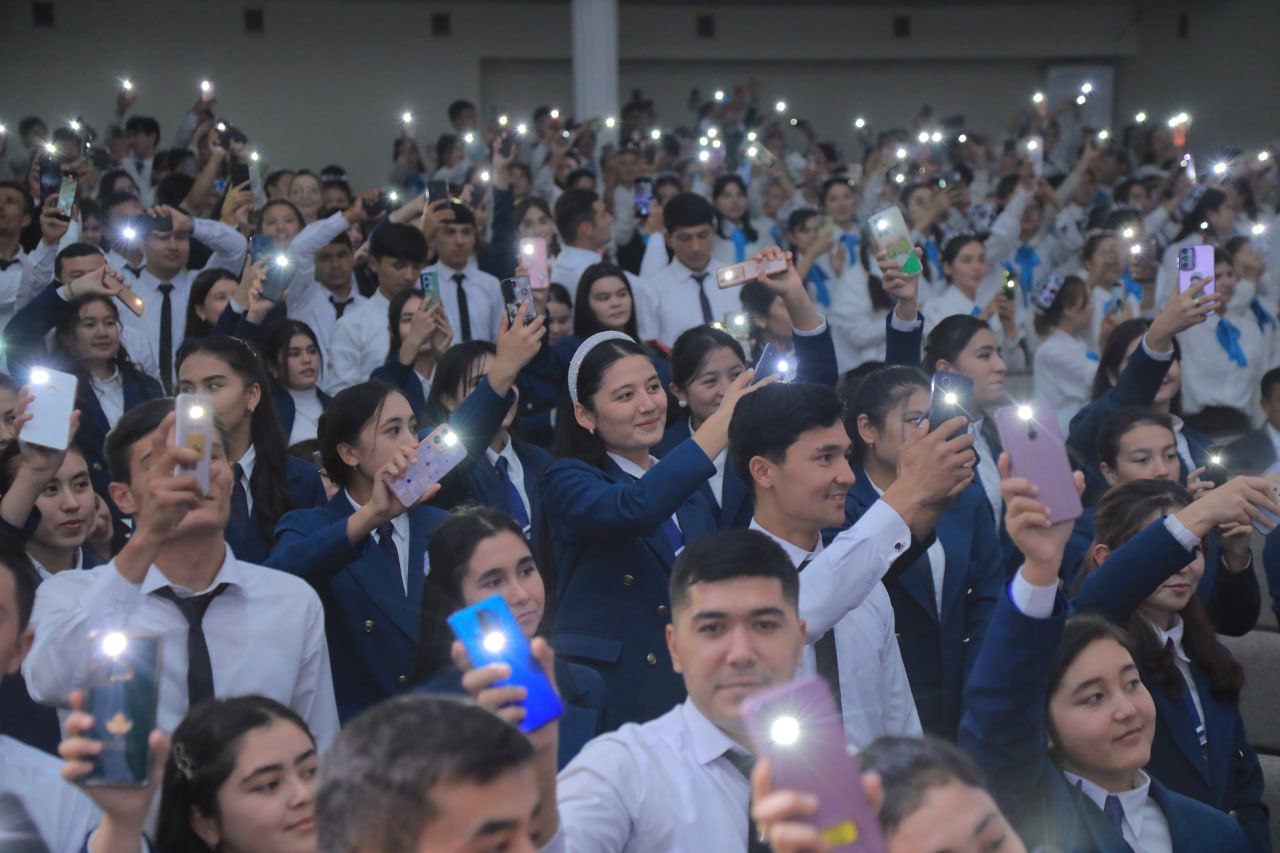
[585, 227]
[472, 298]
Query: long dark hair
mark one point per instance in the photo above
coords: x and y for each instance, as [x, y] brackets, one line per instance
[64, 332]
[344, 419]
[456, 367]
[1113, 356]
[522, 210]
[394, 310]
[275, 348]
[452, 545]
[1122, 513]
[878, 392]
[717, 189]
[200, 287]
[271, 499]
[585, 323]
[1123, 422]
[203, 755]
[1209, 202]
[571, 440]
[692, 349]
[1081, 631]
[949, 338]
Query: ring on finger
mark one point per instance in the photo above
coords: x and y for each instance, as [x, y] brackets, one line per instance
[1195, 300]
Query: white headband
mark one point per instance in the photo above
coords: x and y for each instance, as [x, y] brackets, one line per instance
[584, 349]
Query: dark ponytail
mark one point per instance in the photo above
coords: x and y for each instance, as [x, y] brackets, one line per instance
[949, 338]
[878, 392]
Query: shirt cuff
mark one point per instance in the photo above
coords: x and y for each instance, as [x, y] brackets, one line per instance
[899, 325]
[812, 333]
[1179, 531]
[1031, 600]
[1158, 356]
[888, 526]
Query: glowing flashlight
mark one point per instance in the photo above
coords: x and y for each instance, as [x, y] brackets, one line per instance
[1037, 98]
[450, 438]
[406, 117]
[719, 95]
[1086, 89]
[39, 376]
[1140, 117]
[781, 106]
[196, 412]
[950, 398]
[859, 122]
[495, 641]
[655, 134]
[1025, 412]
[785, 731]
[555, 114]
[114, 644]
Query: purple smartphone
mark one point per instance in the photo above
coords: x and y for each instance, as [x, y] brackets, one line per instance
[438, 454]
[798, 728]
[1195, 264]
[1031, 437]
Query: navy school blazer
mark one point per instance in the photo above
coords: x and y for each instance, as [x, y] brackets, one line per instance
[613, 563]
[302, 480]
[938, 651]
[1271, 562]
[581, 691]
[287, 410]
[403, 378]
[738, 506]
[1231, 778]
[1004, 729]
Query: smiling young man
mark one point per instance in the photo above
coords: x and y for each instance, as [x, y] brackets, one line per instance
[227, 628]
[472, 298]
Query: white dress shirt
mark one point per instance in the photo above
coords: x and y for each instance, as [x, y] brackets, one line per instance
[857, 327]
[135, 343]
[514, 470]
[875, 695]
[1180, 659]
[11, 285]
[1103, 304]
[399, 535]
[569, 266]
[110, 394]
[1210, 377]
[662, 785]
[359, 343]
[316, 308]
[307, 410]
[672, 305]
[44, 574]
[716, 480]
[61, 812]
[265, 635]
[1063, 374]
[1144, 826]
[484, 300]
[937, 555]
[304, 247]
[952, 302]
[139, 168]
[723, 247]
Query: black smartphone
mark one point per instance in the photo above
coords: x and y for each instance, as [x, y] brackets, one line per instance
[516, 291]
[1008, 285]
[50, 176]
[950, 395]
[507, 145]
[437, 190]
[644, 197]
[239, 173]
[122, 689]
[156, 223]
[1215, 467]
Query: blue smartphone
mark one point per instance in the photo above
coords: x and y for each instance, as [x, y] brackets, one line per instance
[122, 692]
[491, 634]
[774, 363]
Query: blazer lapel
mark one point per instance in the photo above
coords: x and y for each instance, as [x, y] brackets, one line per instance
[1219, 728]
[1171, 713]
[531, 485]
[379, 584]
[957, 541]
[91, 410]
[488, 488]
[734, 495]
[656, 540]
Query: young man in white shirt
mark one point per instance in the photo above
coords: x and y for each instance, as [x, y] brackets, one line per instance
[361, 338]
[227, 628]
[144, 140]
[17, 211]
[684, 293]
[585, 227]
[322, 307]
[472, 298]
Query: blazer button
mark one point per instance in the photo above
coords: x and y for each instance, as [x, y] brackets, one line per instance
[368, 626]
[402, 680]
[97, 466]
[969, 591]
[651, 659]
[628, 580]
[966, 641]
[897, 546]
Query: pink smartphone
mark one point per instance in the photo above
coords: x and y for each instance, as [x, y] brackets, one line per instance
[438, 454]
[739, 274]
[533, 256]
[1031, 437]
[798, 728]
[1195, 264]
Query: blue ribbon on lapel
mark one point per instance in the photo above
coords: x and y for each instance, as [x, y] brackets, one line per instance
[934, 256]
[819, 280]
[1261, 314]
[1027, 260]
[739, 245]
[1131, 286]
[1229, 340]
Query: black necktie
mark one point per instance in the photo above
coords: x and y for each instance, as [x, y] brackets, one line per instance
[340, 306]
[137, 271]
[703, 301]
[199, 668]
[992, 436]
[824, 653]
[1114, 809]
[515, 504]
[239, 498]
[464, 313]
[4, 265]
[744, 763]
[166, 336]
[390, 553]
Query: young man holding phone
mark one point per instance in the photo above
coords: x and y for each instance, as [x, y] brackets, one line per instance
[472, 297]
[227, 628]
[324, 306]
[586, 227]
[144, 140]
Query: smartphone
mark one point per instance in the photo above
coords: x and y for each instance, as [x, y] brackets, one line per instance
[239, 173]
[429, 282]
[1033, 440]
[797, 727]
[438, 454]
[1009, 285]
[1195, 264]
[738, 324]
[50, 176]
[489, 631]
[122, 689]
[262, 246]
[533, 255]
[826, 231]
[156, 223]
[131, 300]
[644, 197]
[194, 431]
[55, 400]
[280, 272]
[1117, 298]
[1272, 476]
[507, 145]
[437, 190]
[1215, 467]
[66, 196]
[1189, 167]
[1033, 147]
[774, 363]
[515, 291]
[739, 274]
[890, 234]
[950, 394]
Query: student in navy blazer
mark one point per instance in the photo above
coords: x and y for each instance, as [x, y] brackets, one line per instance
[420, 336]
[480, 553]
[939, 630]
[231, 373]
[1142, 575]
[1058, 717]
[364, 551]
[291, 353]
[500, 470]
[614, 518]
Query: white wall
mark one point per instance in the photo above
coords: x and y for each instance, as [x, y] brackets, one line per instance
[329, 79]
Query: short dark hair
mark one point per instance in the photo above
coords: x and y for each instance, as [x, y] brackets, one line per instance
[1081, 631]
[15, 560]
[693, 347]
[728, 554]
[343, 420]
[462, 214]
[143, 124]
[75, 250]
[687, 210]
[768, 421]
[113, 200]
[377, 780]
[909, 767]
[1119, 424]
[398, 241]
[949, 338]
[456, 108]
[573, 208]
[134, 425]
[1270, 380]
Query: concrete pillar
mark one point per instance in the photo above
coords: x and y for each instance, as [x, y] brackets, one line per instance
[595, 58]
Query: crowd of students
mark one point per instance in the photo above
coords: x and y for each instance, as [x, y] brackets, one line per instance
[673, 532]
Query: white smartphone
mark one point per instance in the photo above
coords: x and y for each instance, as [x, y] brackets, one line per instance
[194, 431]
[890, 234]
[55, 400]
[1033, 147]
[438, 454]
[739, 274]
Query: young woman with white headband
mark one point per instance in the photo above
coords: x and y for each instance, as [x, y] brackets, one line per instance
[614, 518]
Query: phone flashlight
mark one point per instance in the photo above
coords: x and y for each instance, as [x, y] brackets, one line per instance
[206, 87]
[1037, 98]
[719, 95]
[899, 178]
[1127, 233]
[1024, 411]
[406, 117]
[752, 151]
[555, 114]
[502, 120]
[715, 143]
[253, 155]
[901, 154]
[39, 376]
[1135, 249]
[859, 122]
[495, 641]
[739, 320]
[126, 84]
[282, 261]
[1220, 168]
[610, 122]
[1033, 144]
[785, 730]
[1104, 135]
[781, 106]
[468, 137]
[450, 438]
[1086, 88]
[114, 644]
[1204, 226]
[1140, 117]
[484, 176]
[1215, 460]
[73, 124]
[704, 155]
[702, 140]
[751, 136]
[950, 398]
[522, 129]
[196, 412]
[3, 130]
[129, 232]
[51, 148]
[1080, 100]
[1263, 156]
[655, 134]
[935, 137]
[794, 121]
[922, 137]
[783, 365]
[962, 138]
[713, 132]
[1258, 229]
[221, 127]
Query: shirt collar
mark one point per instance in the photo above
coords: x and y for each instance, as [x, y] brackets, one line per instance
[229, 573]
[1132, 801]
[576, 253]
[709, 740]
[797, 554]
[682, 272]
[630, 468]
[115, 380]
[246, 462]
[957, 293]
[1174, 633]
[399, 524]
[508, 452]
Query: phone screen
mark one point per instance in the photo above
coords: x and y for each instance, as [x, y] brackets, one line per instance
[644, 197]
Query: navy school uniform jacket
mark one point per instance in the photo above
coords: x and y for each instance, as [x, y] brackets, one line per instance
[236, 325]
[737, 508]
[405, 379]
[1004, 729]
[1271, 562]
[302, 480]
[613, 563]
[286, 410]
[1230, 778]
[581, 691]
[938, 651]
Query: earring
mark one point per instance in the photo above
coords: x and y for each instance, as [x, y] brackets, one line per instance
[592, 430]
